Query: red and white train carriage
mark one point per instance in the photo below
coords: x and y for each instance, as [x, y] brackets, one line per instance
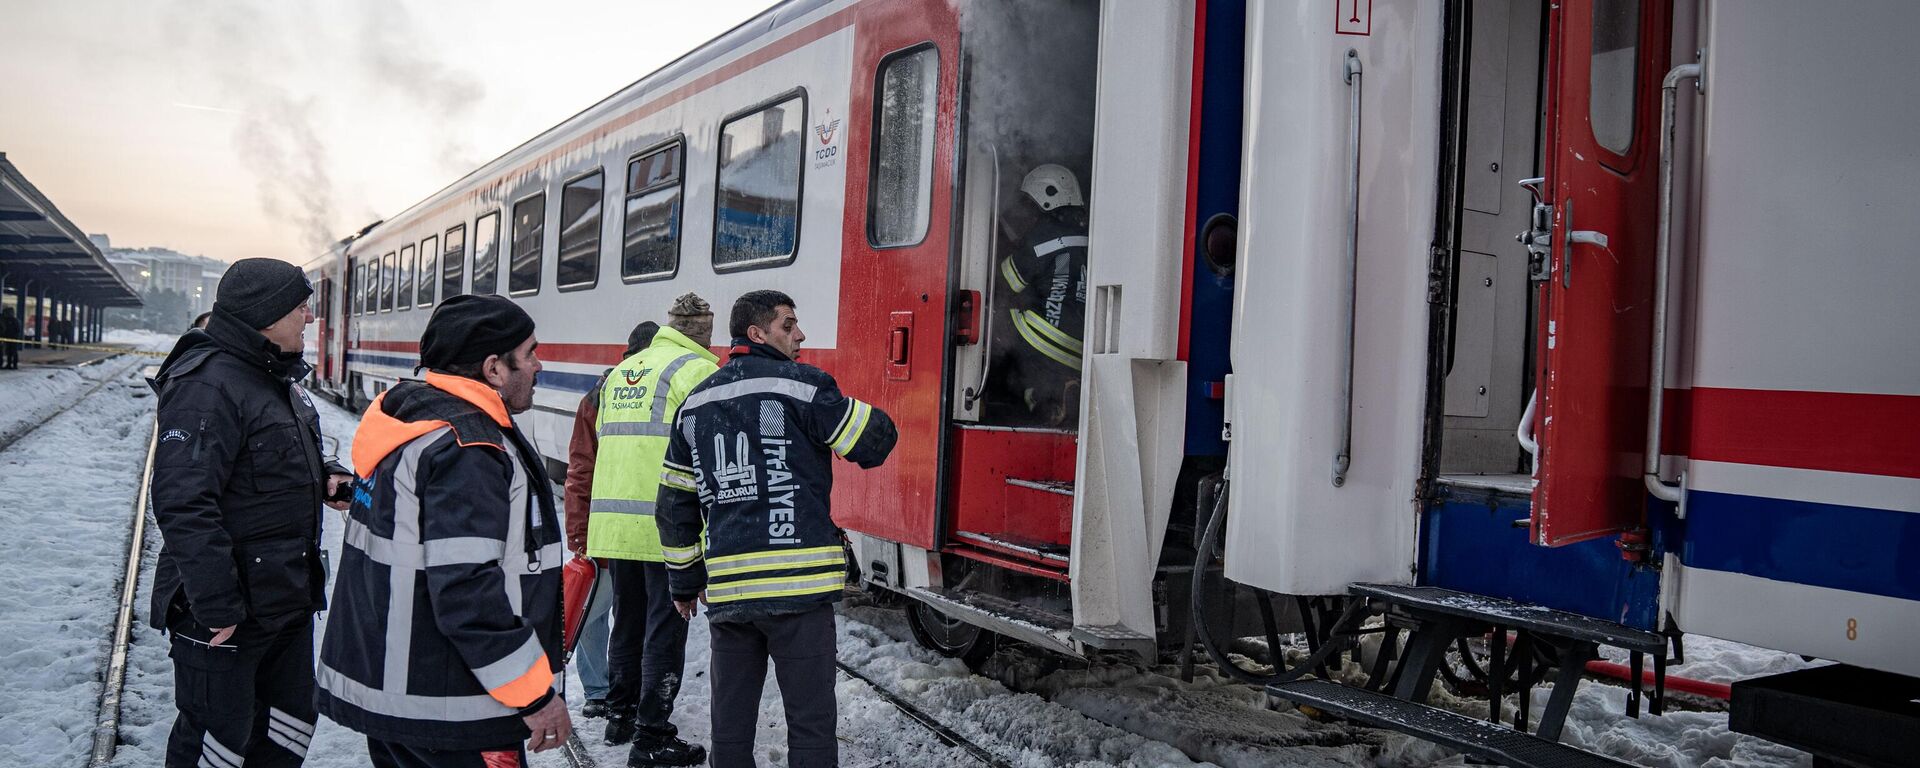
[1428, 419]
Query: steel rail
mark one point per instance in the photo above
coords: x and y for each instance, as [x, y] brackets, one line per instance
[106, 724]
[925, 720]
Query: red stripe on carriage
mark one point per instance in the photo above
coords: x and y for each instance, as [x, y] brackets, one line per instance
[1868, 434]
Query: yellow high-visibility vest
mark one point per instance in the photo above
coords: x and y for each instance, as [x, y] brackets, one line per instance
[637, 404]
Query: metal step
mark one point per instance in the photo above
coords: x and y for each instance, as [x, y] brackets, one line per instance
[1533, 618]
[1016, 620]
[1113, 637]
[1482, 739]
[1849, 715]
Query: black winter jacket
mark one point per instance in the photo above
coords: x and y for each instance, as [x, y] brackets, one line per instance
[238, 480]
[750, 462]
[9, 327]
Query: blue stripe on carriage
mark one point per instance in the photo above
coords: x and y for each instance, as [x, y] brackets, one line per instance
[1856, 549]
[571, 382]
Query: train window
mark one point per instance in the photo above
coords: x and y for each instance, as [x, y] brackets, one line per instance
[453, 262]
[529, 232]
[486, 254]
[577, 265]
[353, 286]
[403, 298]
[650, 240]
[898, 207]
[366, 287]
[1616, 38]
[757, 210]
[387, 277]
[429, 255]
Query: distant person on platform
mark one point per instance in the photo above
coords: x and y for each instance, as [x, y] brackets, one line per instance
[9, 347]
[238, 479]
[590, 651]
[444, 642]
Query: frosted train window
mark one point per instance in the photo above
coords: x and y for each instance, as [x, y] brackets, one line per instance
[453, 262]
[757, 206]
[897, 204]
[486, 254]
[387, 275]
[529, 232]
[650, 240]
[578, 263]
[356, 287]
[404, 298]
[429, 256]
[1611, 75]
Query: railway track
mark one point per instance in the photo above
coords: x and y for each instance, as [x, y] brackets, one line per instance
[7, 440]
[578, 757]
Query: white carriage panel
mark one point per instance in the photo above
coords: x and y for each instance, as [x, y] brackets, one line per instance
[1807, 261]
[1290, 529]
[1133, 412]
[1854, 627]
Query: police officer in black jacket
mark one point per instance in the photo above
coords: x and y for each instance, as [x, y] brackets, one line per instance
[239, 476]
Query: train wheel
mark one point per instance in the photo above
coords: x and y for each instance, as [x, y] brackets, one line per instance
[949, 636]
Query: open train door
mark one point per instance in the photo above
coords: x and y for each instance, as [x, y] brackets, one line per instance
[1605, 59]
[894, 290]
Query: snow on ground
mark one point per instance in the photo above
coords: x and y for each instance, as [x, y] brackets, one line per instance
[149, 341]
[66, 501]
[1033, 710]
[32, 394]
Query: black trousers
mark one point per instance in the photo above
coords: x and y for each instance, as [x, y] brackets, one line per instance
[387, 754]
[647, 650]
[9, 354]
[248, 701]
[802, 647]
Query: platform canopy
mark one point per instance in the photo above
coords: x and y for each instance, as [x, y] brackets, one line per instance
[38, 243]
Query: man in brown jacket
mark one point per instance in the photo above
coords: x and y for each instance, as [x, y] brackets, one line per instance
[590, 656]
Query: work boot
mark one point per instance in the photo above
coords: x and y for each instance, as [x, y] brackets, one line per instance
[594, 708]
[669, 751]
[621, 728]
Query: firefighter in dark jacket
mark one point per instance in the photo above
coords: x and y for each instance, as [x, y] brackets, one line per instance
[1048, 278]
[443, 645]
[238, 481]
[750, 463]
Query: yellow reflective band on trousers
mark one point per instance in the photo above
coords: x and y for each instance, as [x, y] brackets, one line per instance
[637, 404]
[1047, 340]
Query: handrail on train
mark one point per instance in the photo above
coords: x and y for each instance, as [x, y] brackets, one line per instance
[1343, 460]
[1663, 256]
[979, 390]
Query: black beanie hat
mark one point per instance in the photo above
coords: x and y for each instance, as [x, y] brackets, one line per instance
[259, 292]
[468, 328]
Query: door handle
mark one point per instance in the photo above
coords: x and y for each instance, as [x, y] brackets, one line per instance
[1580, 236]
[899, 346]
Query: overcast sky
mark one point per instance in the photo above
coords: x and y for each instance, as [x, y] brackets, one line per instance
[237, 128]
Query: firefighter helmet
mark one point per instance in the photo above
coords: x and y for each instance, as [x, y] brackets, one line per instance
[1052, 186]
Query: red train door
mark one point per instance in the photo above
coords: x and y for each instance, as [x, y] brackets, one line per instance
[1604, 64]
[894, 287]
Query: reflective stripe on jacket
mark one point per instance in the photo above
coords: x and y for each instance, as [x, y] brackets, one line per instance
[1049, 283]
[445, 627]
[750, 463]
[636, 415]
